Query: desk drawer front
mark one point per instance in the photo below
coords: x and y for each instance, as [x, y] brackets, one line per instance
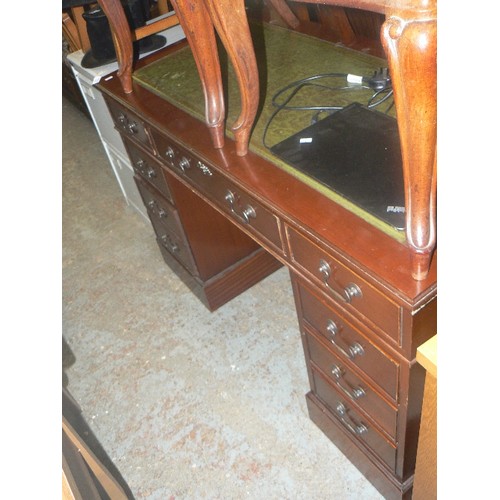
[149, 169]
[349, 344]
[343, 285]
[174, 243]
[129, 124]
[357, 425]
[242, 207]
[353, 387]
[158, 208]
[250, 213]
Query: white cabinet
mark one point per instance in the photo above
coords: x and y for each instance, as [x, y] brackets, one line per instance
[110, 138]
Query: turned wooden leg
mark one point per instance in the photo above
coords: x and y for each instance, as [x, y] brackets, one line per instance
[409, 38]
[198, 28]
[122, 40]
[230, 20]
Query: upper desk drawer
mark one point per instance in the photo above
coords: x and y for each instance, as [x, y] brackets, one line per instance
[242, 207]
[129, 123]
[345, 286]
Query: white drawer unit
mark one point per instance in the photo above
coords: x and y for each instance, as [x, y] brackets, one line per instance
[109, 136]
[125, 176]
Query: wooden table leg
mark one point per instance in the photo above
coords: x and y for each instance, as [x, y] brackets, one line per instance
[409, 38]
[198, 28]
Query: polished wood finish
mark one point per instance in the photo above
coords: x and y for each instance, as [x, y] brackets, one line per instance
[355, 240]
[214, 258]
[198, 28]
[409, 37]
[299, 227]
[122, 40]
[230, 20]
[155, 27]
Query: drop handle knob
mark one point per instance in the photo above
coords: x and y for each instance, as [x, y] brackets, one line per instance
[132, 128]
[349, 292]
[355, 427]
[351, 392]
[247, 213]
[184, 164]
[169, 244]
[351, 351]
[122, 119]
[230, 198]
[170, 153]
[162, 213]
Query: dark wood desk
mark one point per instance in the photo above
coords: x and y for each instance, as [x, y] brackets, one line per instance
[409, 37]
[224, 221]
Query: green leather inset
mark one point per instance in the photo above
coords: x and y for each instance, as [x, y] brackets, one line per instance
[283, 57]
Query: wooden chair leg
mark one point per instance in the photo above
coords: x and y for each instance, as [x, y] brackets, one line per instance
[230, 20]
[409, 40]
[122, 39]
[198, 28]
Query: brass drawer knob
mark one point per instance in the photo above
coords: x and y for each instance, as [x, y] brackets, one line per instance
[169, 244]
[132, 128]
[247, 213]
[184, 164]
[349, 292]
[351, 392]
[354, 427]
[170, 153]
[351, 351]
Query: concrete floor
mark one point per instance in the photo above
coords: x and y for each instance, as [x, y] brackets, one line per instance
[187, 404]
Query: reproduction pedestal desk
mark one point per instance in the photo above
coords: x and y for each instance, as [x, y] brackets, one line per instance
[409, 36]
[224, 221]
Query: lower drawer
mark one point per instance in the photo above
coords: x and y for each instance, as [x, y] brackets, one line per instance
[175, 244]
[157, 207]
[348, 341]
[348, 383]
[359, 427]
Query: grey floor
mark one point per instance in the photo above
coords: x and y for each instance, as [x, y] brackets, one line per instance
[187, 404]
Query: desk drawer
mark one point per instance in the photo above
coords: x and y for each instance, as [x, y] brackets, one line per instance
[217, 188]
[343, 285]
[158, 208]
[350, 345]
[174, 243]
[129, 124]
[357, 391]
[358, 426]
[149, 169]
